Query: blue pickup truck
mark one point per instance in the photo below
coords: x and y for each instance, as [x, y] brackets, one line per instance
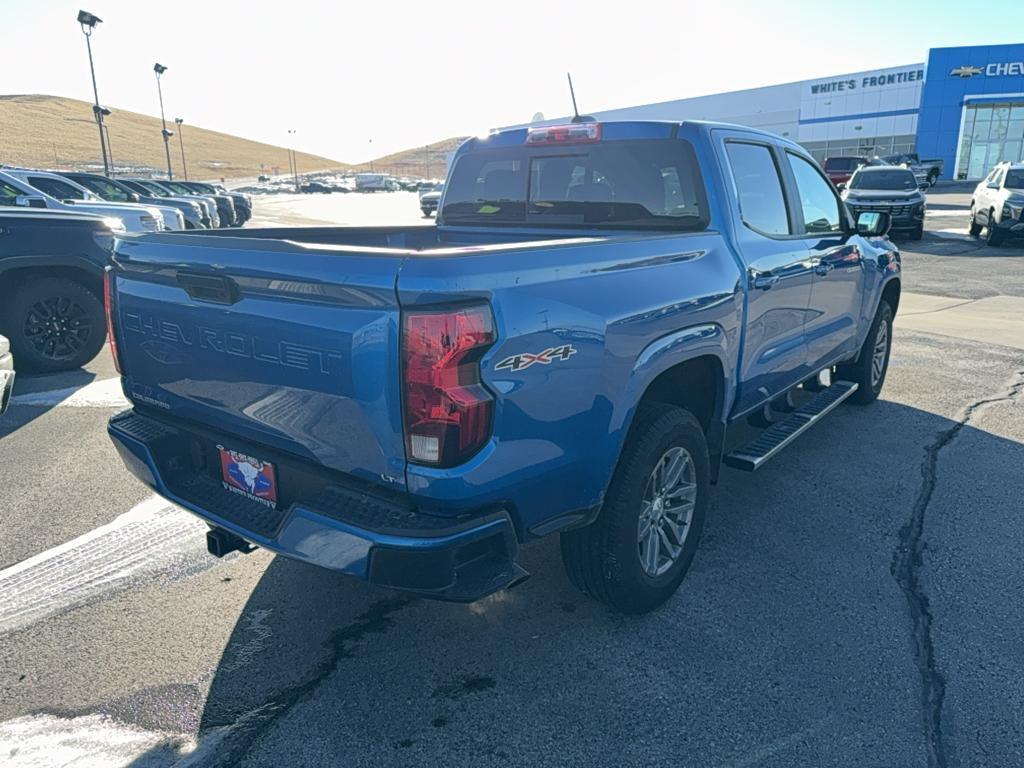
[603, 315]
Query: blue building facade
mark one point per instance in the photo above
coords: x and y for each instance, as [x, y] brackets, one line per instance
[972, 108]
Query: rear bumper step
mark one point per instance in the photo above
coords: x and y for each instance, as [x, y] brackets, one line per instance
[752, 456]
[338, 527]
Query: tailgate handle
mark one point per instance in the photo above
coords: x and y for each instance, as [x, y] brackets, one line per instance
[219, 290]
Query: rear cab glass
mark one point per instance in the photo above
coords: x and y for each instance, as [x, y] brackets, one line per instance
[621, 183]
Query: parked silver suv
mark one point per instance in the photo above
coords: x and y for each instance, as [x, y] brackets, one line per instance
[998, 204]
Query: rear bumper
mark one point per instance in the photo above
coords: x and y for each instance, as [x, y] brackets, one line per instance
[338, 525]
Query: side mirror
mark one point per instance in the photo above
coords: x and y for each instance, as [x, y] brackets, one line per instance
[841, 186]
[873, 223]
[133, 197]
[29, 201]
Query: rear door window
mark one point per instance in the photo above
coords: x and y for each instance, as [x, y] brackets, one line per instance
[758, 187]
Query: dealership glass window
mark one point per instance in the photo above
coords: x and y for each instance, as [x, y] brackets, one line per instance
[992, 133]
[868, 146]
[758, 187]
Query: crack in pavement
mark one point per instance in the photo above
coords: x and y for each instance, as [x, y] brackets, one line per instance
[229, 744]
[908, 560]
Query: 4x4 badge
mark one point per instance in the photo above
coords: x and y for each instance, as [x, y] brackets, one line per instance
[526, 359]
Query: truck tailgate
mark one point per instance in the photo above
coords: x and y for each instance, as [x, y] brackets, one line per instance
[277, 343]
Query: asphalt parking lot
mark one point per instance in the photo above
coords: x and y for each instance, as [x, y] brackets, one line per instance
[855, 603]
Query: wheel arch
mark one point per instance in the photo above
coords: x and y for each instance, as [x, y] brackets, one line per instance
[689, 368]
[16, 272]
[891, 293]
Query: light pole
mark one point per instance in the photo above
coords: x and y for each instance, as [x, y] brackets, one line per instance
[103, 113]
[371, 155]
[294, 159]
[160, 69]
[88, 22]
[181, 143]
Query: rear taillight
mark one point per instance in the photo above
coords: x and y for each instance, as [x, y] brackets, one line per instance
[108, 305]
[447, 408]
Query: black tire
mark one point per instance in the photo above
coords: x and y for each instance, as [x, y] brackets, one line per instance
[54, 324]
[993, 235]
[603, 559]
[917, 232]
[933, 177]
[975, 228]
[861, 371]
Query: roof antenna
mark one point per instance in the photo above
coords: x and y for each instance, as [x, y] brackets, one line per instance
[577, 117]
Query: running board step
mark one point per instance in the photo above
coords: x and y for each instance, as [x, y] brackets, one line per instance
[752, 456]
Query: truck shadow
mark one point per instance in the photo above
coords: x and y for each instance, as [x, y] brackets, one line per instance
[789, 641]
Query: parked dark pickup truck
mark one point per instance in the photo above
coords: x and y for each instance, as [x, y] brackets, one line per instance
[51, 286]
[570, 349]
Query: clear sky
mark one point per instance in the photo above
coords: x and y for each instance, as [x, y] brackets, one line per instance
[344, 74]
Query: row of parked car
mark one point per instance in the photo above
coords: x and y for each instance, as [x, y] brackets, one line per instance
[897, 185]
[133, 204]
[57, 229]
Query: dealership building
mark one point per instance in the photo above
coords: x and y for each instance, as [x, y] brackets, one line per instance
[964, 105]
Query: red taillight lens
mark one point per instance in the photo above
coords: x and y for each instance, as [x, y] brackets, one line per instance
[447, 408]
[576, 133]
[108, 305]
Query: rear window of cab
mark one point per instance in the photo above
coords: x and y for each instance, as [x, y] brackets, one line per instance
[623, 184]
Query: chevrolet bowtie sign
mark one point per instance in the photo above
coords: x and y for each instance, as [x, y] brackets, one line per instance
[1008, 68]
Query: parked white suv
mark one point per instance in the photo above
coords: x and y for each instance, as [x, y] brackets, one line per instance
[135, 217]
[70, 191]
[998, 204]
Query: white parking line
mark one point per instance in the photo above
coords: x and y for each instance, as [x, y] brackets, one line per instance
[153, 537]
[91, 740]
[105, 393]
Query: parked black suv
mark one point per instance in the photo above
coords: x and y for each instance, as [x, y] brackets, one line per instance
[51, 286]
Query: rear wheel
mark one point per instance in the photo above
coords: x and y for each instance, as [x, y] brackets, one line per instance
[634, 556]
[53, 324]
[873, 362]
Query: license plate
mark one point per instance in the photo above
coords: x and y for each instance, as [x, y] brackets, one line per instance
[246, 475]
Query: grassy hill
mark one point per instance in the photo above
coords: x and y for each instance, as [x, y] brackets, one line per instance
[427, 162]
[55, 132]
